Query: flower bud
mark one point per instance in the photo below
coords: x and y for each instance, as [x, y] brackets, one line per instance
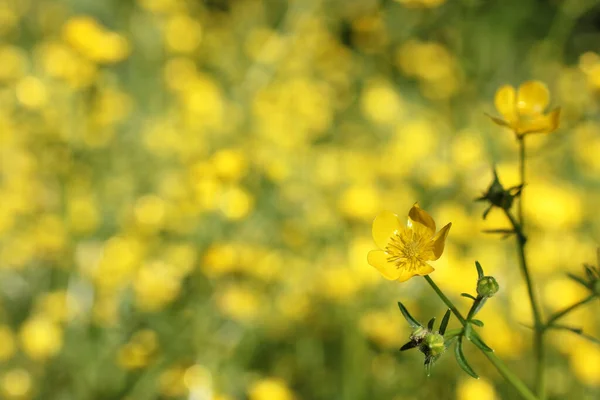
[433, 345]
[487, 286]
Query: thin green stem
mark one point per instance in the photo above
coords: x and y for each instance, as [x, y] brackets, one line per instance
[567, 310]
[496, 362]
[538, 337]
[521, 140]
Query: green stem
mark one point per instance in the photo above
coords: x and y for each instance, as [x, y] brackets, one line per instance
[496, 362]
[567, 310]
[477, 304]
[521, 140]
[539, 327]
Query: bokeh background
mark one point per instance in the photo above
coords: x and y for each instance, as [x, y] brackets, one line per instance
[187, 189]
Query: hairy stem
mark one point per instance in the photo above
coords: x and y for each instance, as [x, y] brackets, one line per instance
[496, 362]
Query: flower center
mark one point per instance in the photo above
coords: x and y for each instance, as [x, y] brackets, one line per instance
[408, 249]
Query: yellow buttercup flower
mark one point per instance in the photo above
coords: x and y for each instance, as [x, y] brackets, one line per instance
[522, 110]
[405, 250]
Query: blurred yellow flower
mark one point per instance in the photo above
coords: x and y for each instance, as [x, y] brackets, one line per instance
[480, 389]
[585, 361]
[7, 343]
[41, 338]
[238, 302]
[16, 384]
[405, 250]
[139, 351]
[523, 109]
[383, 328]
[155, 286]
[171, 382]
[270, 389]
[86, 35]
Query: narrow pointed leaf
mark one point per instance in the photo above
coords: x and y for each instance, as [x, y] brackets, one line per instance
[479, 305]
[467, 295]
[507, 232]
[589, 272]
[462, 361]
[578, 280]
[576, 331]
[452, 333]
[526, 326]
[410, 345]
[479, 343]
[444, 323]
[568, 328]
[487, 211]
[590, 338]
[411, 321]
[479, 269]
[477, 322]
[430, 324]
[468, 330]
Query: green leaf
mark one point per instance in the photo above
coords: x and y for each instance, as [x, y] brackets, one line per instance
[477, 322]
[462, 361]
[444, 323]
[468, 330]
[410, 345]
[578, 280]
[411, 321]
[577, 331]
[479, 305]
[479, 343]
[452, 333]
[479, 270]
[589, 272]
[467, 295]
[499, 231]
[430, 324]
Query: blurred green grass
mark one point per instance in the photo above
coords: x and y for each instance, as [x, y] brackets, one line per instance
[187, 188]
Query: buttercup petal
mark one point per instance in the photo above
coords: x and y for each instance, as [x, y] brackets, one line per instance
[554, 118]
[439, 241]
[378, 259]
[384, 226]
[406, 274]
[541, 124]
[417, 214]
[506, 103]
[532, 98]
[426, 269]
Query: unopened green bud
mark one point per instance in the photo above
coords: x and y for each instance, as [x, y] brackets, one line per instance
[433, 345]
[487, 286]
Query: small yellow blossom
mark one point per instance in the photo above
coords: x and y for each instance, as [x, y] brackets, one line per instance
[7, 343]
[41, 338]
[16, 384]
[523, 109]
[270, 389]
[405, 250]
